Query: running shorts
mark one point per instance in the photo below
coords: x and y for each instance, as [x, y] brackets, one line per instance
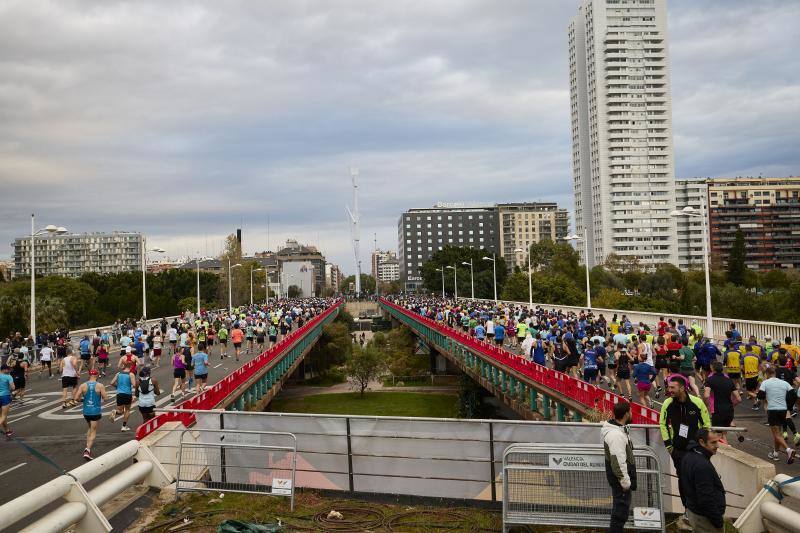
[201, 376]
[147, 409]
[237, 344]
[92, 418]
[179, 373]
[19, 383]
[722, 419]
[69, 381]
[498, 341]
[735, 376]
[157, 352]
[776, 417]
[123, 399]
[5, 400]
[751, 384]
[224, 341]
[590, 374]
[644, 387]
[85, 356]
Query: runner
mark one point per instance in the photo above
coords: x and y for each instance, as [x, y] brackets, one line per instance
[237, 336]
[146, 391]
[751, 366]
[129, 359]
[86, 356]
[157, 346]
[589, 362]
[124, 381]
[172, 336]
[499, 334]
[179, 374]
[46, 358]
[200, 363]
[102, 359]
[645, 374]
[222, 333]
[273, 335]
[69, 379]
[20, 374]
[6, 392]
[260, 336]
[686, 359]
[722, 396]
[774, 391]
[93, 394]
[249, 332]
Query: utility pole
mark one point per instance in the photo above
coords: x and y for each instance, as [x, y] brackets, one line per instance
[377, 265]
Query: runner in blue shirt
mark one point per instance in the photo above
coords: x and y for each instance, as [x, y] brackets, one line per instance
[539, 351]
[93, 394]
[6, 388]
[589, 359]
[480, 332]
[499, 334]
[644, 374]
[200, 362]
[124, 381]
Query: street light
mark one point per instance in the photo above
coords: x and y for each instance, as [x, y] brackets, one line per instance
[471, 276]
[197, 261]
[586, 263]
[251, 282]
[689, 211]
[493, 259]
[144, 274]
[530, 285]
[53, 230]
[230, 294]
[442, 271]
[455, 279]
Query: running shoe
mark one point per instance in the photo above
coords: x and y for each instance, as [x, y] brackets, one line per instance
[774, 456]
[87, 454]
[9, 435]
[756, 406]
[790, 453]
[113, 416]
[125, 428]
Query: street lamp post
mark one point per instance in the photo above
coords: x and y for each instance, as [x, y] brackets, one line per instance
[471, 277]
[197, 262]
[442, 271]
[57, 230]
[230, 283]
[689, 211]
[530, 284]
[585, 263]
[144, 274]
[493, 259]
[455, 280]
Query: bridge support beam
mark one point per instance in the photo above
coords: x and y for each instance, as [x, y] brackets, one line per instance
[534, 400]
[560, 412]
[546, 407]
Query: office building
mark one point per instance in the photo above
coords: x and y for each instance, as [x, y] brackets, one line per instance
[385, 266]
[300, 274]
[621, 115]
[424, 231]
[296, 252]
[523, 224]
[692, 193]
[74, 254]
[333, 278]
[767, 210]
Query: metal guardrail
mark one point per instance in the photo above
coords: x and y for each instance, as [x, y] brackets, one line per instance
[776, 330]
[82, 507]
[590, 396]
[766, 511]
[213, 396]
[565, 485]
[230, 462]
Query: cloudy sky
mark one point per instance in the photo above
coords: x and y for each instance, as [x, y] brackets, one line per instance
[184, 120]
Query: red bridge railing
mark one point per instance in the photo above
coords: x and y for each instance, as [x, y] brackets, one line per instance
[588, 395]
[214, 395]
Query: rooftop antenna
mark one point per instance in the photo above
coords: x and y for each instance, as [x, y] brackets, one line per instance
[355, 230]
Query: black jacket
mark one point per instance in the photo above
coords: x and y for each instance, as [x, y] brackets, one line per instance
[702, 486]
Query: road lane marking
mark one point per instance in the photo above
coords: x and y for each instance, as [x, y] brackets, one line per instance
[18, 418]
[217, 366]
[12, 469]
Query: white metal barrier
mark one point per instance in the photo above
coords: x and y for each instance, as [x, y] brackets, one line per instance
[776, 330]
[766, 512]
[82, 507]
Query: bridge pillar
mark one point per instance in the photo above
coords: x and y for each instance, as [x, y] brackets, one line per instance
[240, 404]
[546, 407]
[560, 412]
[534, 401]
[577, 417]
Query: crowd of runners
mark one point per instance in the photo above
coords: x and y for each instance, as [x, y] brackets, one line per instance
[128, 352]
[645, 362]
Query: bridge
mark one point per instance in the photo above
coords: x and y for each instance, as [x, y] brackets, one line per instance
[532, 391]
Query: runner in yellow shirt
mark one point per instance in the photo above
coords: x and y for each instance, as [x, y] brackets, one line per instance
[751, 366]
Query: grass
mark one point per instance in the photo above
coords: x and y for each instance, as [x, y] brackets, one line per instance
[420, 381]
[206, 511]
[372, 404]
[328, 379]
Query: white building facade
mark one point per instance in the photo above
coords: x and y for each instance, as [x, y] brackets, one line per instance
[693, 193]
[74, 254]
[621, 114]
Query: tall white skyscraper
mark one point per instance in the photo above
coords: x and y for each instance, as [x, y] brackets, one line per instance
[623, 163]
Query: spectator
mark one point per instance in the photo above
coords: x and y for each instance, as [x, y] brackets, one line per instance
[702, 486]
[620, 464]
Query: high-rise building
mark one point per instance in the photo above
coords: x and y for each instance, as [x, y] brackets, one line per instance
[333, 278]
[621, 113]
[692, 193]
[74, 254]
[294, 251]
[423, 232]
[522, 224]
[385, 266]
[767, 210]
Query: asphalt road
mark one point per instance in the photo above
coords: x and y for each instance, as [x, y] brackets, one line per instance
[60, 434]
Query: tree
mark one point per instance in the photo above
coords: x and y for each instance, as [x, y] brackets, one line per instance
[364, 366]
[367, 283]
[610, 298]
[293, 291]
[547, 288]
[456, 256]
[736, 259]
